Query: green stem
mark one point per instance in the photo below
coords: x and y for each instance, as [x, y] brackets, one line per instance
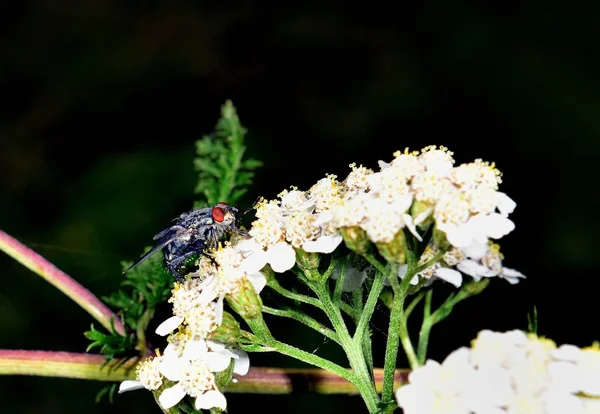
[425, 329]
[339, 283]
[357, 300]
[396, 334]
[314, 360]
[263, 336]
[141, 327]
[357, 297]
[273, 284]
[353, 349]
[413, 303]
[347, 309]
[431, 261]
[259, 329]
[371, 302]
[304, 319]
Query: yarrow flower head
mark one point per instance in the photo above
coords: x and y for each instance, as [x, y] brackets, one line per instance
[510, 372]
[415, 191]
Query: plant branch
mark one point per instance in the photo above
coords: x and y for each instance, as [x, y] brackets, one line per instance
[63, 282]
[64, 365]
[304, 319]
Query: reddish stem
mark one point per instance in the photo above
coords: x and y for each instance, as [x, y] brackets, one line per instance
[65, 283]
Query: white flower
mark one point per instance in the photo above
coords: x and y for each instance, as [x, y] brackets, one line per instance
[436, 271]
[504, 373]
[325, 192]
[488, 264]
[192, 370]
[237, 262]
[295, 200]
[383, 222]
[323, 244]
[588, 367]
[281, 257]
[357, 180]
[148, 376]
[436, 388]
[498, 349]
[477, 229]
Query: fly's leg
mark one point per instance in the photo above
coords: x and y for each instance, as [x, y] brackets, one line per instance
[176, 265]
[212, 259]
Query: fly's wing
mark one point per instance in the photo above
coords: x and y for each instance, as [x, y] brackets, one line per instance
[163, 233]
[162, 243]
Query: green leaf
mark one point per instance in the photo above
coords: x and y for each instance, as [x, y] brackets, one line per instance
[223, 174]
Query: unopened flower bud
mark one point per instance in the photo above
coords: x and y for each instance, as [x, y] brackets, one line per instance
[306, 260]
[245, 301]
[228, 331]
[394, 251]
[355, 239]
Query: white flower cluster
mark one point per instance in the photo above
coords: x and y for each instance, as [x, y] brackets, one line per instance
[483, 264]
[508, 372]
[190, 359]
[413, 191]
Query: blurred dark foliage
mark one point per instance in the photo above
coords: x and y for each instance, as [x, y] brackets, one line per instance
[102, 102]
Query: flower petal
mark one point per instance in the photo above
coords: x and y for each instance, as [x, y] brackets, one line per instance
[506, 205]
[323, 218]
[129, 385]
[281, 257]
[415, 399]
[209, 293]
[566, 352]
[216, 361]
[497, 226]
[171, 396]
[449, 275]
[195, 349]
[255, 257]
[460, 236]
[215, 346]
[211, 399]
[171, 367]
[410, 225]
[169, 325]
[469, 267]
[476, 251]
[323, 244]
[258, 281]
[241, 364]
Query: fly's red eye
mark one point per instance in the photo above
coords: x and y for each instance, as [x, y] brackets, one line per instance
[218, 214]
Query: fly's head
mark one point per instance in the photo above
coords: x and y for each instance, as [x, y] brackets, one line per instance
[224, 215]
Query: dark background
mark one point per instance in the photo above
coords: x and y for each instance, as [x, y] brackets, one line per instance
[101, 103]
